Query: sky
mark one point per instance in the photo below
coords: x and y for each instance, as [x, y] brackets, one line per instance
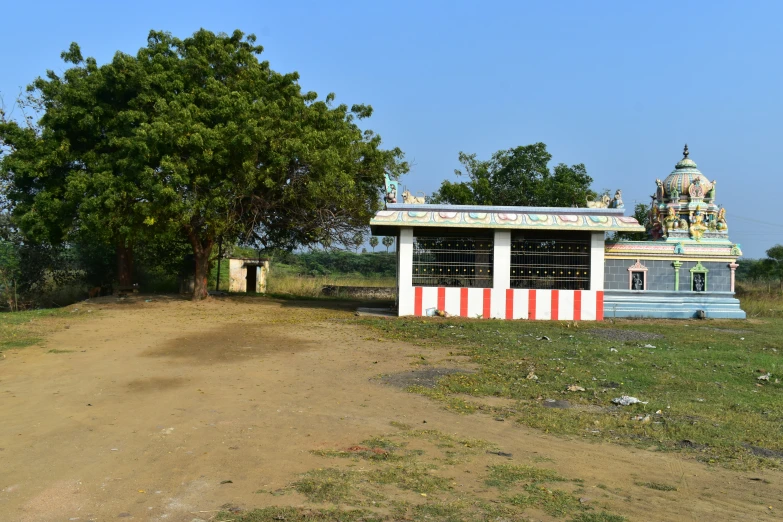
[618, 86]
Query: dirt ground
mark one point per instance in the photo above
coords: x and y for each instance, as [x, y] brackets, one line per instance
[150, 406]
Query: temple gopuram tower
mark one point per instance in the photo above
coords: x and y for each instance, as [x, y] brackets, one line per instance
[686, 268]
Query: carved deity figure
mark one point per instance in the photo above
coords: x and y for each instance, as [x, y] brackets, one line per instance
[711, 193]
[638, 282]
[391, 189]
[697, 227]
[391, 195]
[675, 195]
[721, 224]
[617, 202]
[698, 282]
[659, 190]
[670, 221]
[696, 190]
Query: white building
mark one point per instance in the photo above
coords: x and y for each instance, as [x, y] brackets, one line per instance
[500, 262]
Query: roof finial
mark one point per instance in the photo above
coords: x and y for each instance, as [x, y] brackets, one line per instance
[685, 152]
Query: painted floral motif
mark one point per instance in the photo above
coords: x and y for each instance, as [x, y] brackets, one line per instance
[506, 219]
[477, 217]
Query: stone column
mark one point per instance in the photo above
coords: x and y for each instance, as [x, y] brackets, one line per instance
[405, 267]
[733, 267]
[597, 261]
[501, 268]
[676, 265]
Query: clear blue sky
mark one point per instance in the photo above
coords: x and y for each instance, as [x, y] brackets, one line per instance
[618, 86]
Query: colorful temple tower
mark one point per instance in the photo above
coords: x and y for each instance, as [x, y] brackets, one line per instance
[687, 267]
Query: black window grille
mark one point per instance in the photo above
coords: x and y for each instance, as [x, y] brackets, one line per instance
[551, 262]
[452, 261]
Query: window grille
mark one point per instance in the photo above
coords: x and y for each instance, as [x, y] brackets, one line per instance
[452, 261]
[550, 262]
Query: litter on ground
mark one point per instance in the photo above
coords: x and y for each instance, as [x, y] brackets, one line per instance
[627, 400]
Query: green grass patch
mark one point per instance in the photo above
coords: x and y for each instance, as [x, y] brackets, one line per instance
[657, 485]
[597, 517]
[410, 477]
[422, 483]
[54, 350]
[336, 486]
[292, 514]
[22, 329]
[504, 476]
[700, 380]
[552, 501]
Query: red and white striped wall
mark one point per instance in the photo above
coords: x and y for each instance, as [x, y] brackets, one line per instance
[501, 302]
[550, 305]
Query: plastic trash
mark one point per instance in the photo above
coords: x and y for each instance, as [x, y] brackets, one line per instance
[627, 400]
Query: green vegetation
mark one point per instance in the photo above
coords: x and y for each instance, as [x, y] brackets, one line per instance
[416, 475]
[28, 328]
[518, 177]
[657, 486]
[338, 263]
[504, 476]
[763, 271]
[711, 388]
[192, 141]
[291, 514]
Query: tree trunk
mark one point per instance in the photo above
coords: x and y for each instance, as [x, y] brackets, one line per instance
[124, 263]
[202, 250]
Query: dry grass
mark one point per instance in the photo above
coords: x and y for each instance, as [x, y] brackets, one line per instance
[310, 286]
[760, 300]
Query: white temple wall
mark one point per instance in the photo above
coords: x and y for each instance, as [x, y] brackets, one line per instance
[501, 301]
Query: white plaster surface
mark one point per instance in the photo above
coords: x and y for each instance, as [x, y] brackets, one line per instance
[405, 271]
[597, 261]
[565, 306]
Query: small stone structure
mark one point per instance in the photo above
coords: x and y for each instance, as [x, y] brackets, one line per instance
[247, 274]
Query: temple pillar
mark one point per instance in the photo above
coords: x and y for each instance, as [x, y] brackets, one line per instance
[733, 267]
[405, 271]
[501, 279]
[597, 261]
[676, 265]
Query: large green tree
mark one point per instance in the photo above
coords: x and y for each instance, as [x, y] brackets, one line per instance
[520, 176]
[197, 138]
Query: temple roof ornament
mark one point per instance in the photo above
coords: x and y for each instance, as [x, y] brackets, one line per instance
[684, 174]
[684, 206]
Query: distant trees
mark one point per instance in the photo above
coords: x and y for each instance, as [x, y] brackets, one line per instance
[763, 270]
[319, 262]
[387, 242]
[517, 177]
[373, 242]
[641, 213]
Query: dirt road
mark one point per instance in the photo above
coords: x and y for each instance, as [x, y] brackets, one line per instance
[152, 406]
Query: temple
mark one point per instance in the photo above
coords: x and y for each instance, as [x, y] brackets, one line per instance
[687, 266]
[556, 263]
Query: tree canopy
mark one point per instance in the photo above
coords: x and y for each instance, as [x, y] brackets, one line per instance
[192, 138]
[517, 177]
